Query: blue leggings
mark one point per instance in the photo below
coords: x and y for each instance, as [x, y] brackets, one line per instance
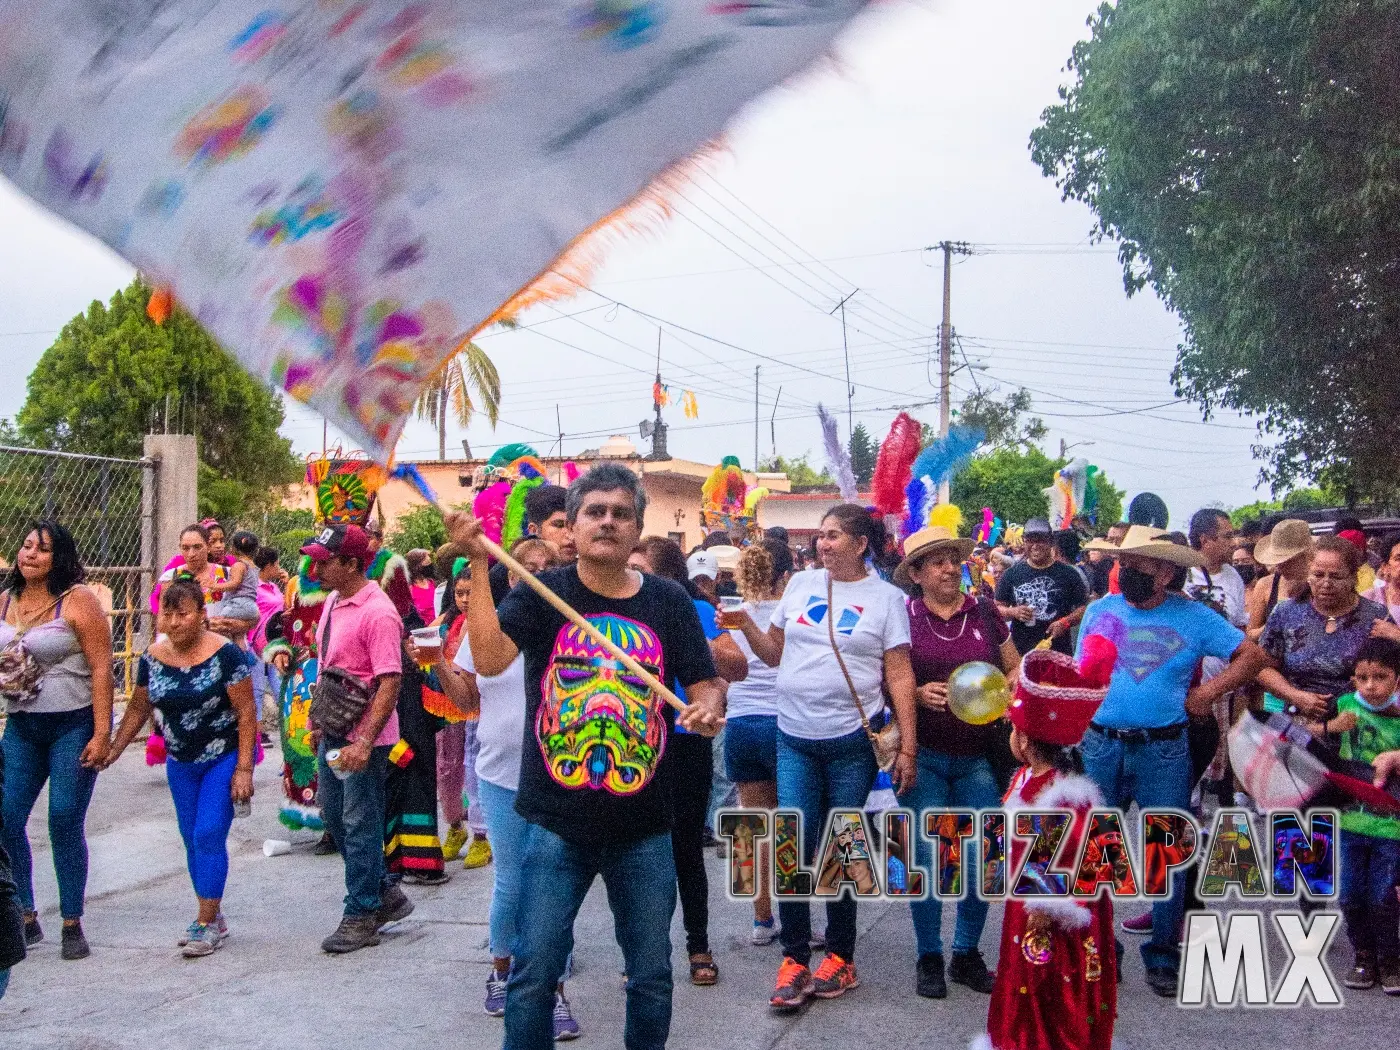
[204, 808]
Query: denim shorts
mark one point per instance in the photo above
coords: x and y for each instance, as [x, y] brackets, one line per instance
[751, 748]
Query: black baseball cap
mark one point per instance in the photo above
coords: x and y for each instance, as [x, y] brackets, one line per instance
[1037, 527]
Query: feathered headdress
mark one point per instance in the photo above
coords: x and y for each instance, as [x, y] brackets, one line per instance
[724, 490]
[892, 466]
[940, 460]
[837, 456]
[345, 489]
[1066, 492]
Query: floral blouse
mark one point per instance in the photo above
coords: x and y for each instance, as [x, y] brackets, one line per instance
[198, 718]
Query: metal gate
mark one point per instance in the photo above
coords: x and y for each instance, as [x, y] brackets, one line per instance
[109, 507]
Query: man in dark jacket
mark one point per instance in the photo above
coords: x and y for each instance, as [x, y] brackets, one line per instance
[11, 914]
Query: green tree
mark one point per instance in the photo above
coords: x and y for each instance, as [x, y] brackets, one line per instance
[1001, 419]
[1243, 153]
[420, 527]
[799, 470]
[863, 450]
[113, 376]
[1012, 481]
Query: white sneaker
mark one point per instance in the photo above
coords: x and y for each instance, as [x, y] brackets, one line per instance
[764, 932]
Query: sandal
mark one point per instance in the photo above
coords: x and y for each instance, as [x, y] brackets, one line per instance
[703, 971]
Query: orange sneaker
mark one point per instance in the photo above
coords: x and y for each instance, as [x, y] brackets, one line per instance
[834, 977]
[794, 986]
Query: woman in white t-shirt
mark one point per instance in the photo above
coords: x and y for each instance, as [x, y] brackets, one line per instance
[751, 717]
[500, 731]
[825, 760]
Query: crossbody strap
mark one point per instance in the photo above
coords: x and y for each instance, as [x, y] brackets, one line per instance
[325, 646]
[840, 661]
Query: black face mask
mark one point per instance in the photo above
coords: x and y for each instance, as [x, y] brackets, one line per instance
[1136, 585]
[1246, 573]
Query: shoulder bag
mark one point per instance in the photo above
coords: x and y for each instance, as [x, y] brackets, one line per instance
[338, 699]
[19, 671]
[885, 742]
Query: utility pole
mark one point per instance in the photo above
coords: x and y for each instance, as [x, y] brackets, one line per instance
[773, 422]
[755, 420]
[846, 349]
[945, 347]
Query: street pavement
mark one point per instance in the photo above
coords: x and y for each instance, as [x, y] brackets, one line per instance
[271, 986]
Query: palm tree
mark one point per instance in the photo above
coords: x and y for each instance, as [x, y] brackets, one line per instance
[469, 369]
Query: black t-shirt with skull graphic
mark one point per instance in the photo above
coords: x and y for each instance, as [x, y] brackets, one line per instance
[594, 733]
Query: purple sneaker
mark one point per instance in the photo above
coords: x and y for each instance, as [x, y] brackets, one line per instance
[565, 1027]
[495, 1005]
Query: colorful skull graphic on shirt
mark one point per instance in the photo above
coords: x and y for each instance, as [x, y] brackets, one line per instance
[599, 725]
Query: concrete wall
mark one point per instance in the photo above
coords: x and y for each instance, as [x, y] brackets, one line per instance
[176, 492]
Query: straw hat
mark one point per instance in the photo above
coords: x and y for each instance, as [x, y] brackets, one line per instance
[726, 555]
[1290, 538]
[1149, 543]
[926, 541]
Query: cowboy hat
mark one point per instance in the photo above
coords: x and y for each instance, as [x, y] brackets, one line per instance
[1289, 538]
[1150, 543]
[925, 542]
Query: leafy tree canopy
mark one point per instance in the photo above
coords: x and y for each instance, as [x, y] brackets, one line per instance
[863, 449]
[1012, 481]
[798, 469]
[113, 375]
[1243, 153]
[1001, 419]
[420, 527]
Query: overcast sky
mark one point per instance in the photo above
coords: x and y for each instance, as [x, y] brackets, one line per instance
[836, 183]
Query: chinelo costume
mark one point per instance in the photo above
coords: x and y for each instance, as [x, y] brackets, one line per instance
[1056, 979]
[344, 495]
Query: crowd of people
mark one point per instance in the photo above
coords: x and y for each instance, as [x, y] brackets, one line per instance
[440, 691]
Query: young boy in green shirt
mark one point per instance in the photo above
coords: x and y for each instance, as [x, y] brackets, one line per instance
[1369, 723]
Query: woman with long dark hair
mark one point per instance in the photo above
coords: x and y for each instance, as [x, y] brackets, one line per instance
[689, 764]
[840, 639]
[56, 678]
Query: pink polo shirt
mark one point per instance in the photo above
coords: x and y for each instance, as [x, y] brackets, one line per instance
[366, 640]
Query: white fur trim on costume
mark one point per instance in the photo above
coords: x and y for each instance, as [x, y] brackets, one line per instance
[1070, 791]
[1063, 911]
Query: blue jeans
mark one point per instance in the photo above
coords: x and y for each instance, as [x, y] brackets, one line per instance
[265, 678]
[722, 790]
[750, 749]
[641, 882]
[815, 777]
[204, 811]
[39, 748]
[1370, 867]
[949, 782]
[506, 829]
[353, 810]
[1154, 774]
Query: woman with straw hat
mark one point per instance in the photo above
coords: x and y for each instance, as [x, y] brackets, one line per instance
[947, 629]
[1285, 552]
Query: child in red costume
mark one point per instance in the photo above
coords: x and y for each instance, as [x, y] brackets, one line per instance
[1056, 978]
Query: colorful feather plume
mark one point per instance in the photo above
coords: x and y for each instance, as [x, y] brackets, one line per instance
[984, 530]
[838, 458]
[940, 460]
[724, 490]
[751, 501]
[490, 509]
[410, 473]
[947, 515]
[894, 463]
[513, 525]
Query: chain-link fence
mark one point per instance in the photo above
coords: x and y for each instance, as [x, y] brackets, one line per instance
[109, 507]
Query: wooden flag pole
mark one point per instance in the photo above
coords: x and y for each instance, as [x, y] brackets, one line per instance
[581, 622]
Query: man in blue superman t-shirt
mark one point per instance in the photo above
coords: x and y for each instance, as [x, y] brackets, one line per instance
[1136, 747]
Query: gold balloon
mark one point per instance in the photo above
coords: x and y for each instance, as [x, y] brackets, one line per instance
[978, 693]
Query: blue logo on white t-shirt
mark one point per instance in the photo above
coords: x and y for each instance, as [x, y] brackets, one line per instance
[815, 615]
